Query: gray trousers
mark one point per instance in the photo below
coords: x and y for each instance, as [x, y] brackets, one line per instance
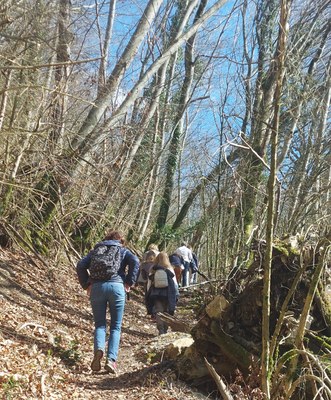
[160, 305]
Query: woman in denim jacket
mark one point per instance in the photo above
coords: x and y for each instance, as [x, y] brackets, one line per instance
[108, 292]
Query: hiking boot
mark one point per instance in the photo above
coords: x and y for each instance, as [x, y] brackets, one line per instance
[111, 366]
[96, 364]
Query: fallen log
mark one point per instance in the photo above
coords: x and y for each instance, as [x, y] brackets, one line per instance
[175, 324]
[229, 329]
[237, 355]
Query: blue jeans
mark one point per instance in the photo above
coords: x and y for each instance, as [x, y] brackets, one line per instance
[103, 294]
[194, 278]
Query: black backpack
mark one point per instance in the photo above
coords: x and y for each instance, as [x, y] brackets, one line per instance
[105, 262]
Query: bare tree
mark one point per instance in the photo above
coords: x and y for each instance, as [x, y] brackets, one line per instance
[279, 65]
[164, 124]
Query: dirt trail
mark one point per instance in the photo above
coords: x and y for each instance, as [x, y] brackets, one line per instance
[46, 340]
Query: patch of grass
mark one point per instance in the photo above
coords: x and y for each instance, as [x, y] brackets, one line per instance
[9, 387]
[70, 353]
[151, 357]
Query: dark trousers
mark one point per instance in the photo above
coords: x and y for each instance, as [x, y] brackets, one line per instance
[160, 305]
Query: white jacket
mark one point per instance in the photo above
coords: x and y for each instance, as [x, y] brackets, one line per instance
[185, 252]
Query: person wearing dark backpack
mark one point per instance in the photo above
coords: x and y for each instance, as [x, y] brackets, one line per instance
[185, 252]
[107, 272]
[177, 263]
[162, 293]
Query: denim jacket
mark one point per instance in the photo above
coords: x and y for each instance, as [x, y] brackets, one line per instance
[128, 276]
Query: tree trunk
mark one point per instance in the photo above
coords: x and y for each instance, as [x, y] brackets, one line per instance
[175, 148]
[83, 141]
[90, 131]
[252, 167]
[280, 72]
[105, 47]
[59, 103]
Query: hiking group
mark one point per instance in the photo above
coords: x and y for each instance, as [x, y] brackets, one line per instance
[110, 270]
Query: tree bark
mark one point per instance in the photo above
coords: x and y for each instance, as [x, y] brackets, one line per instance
[105, 47]
[280, 71]
[83, 141]
[174, 147]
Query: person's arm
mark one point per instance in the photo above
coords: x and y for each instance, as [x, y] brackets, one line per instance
[195, 258]
[173, 295]
[82, 273]
[132, 262]
[190, 255]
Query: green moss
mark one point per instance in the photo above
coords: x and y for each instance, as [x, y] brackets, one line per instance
[282, 249]
[326, 305]
[251, 259]
[152, 357]
[286, 248]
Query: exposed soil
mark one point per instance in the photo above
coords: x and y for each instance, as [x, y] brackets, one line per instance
[46, 340]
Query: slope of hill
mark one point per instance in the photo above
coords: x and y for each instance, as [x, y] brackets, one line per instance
[46, 340]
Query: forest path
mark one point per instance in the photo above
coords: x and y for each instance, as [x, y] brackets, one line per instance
[46, 340]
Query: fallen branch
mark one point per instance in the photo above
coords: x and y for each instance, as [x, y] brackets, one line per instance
[197, 284]
[69, 245]
[42, 385]
[34, 324]
[219, 382]
[175, 324]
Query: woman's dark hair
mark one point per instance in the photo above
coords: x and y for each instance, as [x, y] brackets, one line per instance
[115, 235]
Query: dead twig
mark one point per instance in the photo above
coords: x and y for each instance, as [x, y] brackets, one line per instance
[42, 385]
[34, 324]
